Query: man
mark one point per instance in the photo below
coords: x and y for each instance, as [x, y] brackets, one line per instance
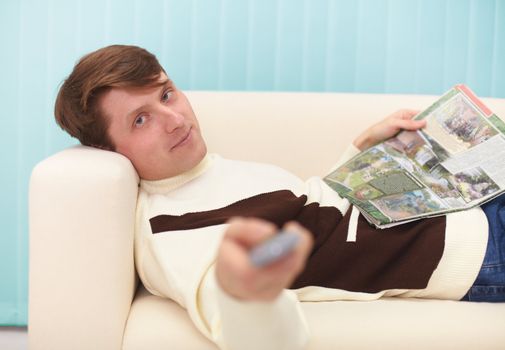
[199, 215]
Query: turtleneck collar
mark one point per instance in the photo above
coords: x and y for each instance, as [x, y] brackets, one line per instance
[171, 183]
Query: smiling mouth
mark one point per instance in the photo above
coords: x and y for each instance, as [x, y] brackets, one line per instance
[183, 140]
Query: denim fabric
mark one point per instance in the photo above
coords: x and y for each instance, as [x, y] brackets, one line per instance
[490, 283]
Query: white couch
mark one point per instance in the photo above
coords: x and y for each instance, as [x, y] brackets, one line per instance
[83, 287]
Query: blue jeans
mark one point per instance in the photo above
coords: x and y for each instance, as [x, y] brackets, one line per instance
[490, 283]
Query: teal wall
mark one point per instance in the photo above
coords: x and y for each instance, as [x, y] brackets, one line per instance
[380, 46]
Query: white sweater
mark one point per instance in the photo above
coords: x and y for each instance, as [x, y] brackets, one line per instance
[180, 222]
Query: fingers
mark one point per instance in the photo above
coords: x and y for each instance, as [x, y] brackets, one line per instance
[410, 124]
[406, 113]
[294, 262]
[403, 119]
[249, 232]
[241, 235]
[305, 245]
[388, 127]
[245, 233]
[239, 278]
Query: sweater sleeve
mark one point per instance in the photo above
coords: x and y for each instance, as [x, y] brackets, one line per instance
[235, 324]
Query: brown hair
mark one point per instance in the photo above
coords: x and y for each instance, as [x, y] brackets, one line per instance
[76, 109]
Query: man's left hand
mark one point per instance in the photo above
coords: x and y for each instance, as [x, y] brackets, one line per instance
[389, 127]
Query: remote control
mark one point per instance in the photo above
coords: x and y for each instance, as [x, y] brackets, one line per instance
[274, 248]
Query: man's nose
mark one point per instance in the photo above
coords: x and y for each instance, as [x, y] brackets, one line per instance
[172, 119]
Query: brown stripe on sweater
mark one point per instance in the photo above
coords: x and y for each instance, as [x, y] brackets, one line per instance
[278, 207]
[401, 257]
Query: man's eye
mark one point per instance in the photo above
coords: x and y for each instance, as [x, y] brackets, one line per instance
[166, 96]
[140, 120]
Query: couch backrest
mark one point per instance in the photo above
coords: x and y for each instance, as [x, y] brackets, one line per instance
[302, 132]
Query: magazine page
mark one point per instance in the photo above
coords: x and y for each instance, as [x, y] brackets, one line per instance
[454, 163]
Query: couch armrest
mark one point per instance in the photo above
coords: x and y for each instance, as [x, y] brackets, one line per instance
[82, 277]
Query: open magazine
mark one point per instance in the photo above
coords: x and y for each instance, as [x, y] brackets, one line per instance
[456, 162]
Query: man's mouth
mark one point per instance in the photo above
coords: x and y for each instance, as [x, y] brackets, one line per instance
[183, 139]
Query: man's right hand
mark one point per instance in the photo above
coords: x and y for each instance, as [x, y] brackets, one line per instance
[239, 278]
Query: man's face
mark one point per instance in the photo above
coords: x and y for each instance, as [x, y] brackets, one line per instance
[154, 127]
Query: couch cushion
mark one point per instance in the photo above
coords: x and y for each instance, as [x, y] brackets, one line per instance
[157, 323]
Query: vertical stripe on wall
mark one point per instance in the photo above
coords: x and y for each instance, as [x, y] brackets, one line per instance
[9, 244]
[232, 45]
[402, 51]
[372, 46]
[480, 43]
[341, 55]
[498, 69]
[430, 45]
[456, 50]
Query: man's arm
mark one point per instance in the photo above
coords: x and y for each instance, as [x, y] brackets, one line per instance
[257, 312]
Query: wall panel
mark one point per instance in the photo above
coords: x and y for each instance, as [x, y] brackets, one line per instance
[375, 46]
